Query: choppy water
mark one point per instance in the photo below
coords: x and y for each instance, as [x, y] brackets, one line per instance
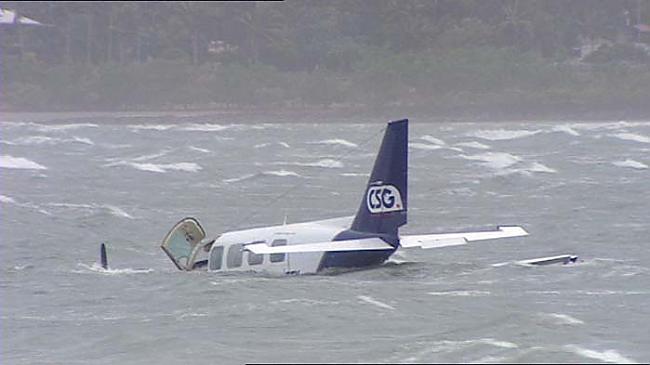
[579, 188]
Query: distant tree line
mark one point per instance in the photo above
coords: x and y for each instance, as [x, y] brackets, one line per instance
[95, 55]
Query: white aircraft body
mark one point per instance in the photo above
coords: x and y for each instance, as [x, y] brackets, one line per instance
[367, 239]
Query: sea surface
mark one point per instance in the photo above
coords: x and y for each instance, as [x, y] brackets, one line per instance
[69, 183]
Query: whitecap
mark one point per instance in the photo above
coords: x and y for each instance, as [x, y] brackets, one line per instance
[198, 149]
[336, 141]
[206, 127]
[424, 146]
[563, 318]
[325, 163]
[97, 268]
[83, 140]
[156, 127]
[111, 209]
[118, 212]
[278, 173]
[10, 162]
[460, 293]
[631, 163]
[433, 140]
[160, 168]
[355, 174]
[611, 356]
[7, 199]
[565, 129]
[538, 167]
[495, 160]
[502, 134]
[375, 302]
[63, 127]
[474, 144]
[632, 137]
[262, 145]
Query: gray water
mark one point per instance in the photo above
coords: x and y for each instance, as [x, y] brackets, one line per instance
[70, 183]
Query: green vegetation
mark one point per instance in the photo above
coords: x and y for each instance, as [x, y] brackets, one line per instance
[438, 55]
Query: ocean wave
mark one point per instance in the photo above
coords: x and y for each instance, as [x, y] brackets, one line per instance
[565, 129]
[563, 318]
[374, 302]
[611, 356]
[325, 163]
[495, 160]
[355, 174]
[502, 134]
[62, 127]
[96, 268]
[277, 173]
[262, 145]
[38, 140]
[206, 127]
[474, 144]
[424, 146]
[434, 140]
[111, 209]
[336, 141]
[198, 149]
[631, 163]
[155, 127]
[159, 168]
[9, 200]
[461, 293]
[10, 162]
[632, 137]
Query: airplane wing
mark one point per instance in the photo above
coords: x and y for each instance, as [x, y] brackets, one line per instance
[456, 239]
[346, 245]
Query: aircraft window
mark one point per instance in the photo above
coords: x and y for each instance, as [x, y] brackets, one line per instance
[255, 259]
[278, 257]
[235, 254]
[215, 258]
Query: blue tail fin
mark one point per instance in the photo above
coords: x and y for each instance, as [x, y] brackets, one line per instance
[384, 203]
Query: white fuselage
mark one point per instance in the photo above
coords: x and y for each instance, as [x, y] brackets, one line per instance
[226, 253]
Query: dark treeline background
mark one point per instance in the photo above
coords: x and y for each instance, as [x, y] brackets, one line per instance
[436, 54]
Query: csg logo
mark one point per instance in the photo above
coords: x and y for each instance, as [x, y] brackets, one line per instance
[383, 199]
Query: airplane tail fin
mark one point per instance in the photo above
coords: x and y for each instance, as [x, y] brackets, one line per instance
[384, 204]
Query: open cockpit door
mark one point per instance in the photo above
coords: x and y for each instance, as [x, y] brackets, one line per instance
[182, 241]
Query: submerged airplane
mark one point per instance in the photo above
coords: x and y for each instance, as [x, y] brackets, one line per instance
[367, 239]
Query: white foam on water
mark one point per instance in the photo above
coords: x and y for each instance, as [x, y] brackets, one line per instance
[150, 156]
[563, 318]
[38, 140]
[160, 168]
[305, 301]
[198, 149]
[474, 144]
[631, 163]
[424, 146]
[632, 137]
[274, 173]
[156, 127]
[11, 162]
[502, 134]
[538, 167]
[610, 356]
[262, 145]
[111, 209]
[281, 173]
[7, 199]
[494, 160]
[461, 293]
[325, 163]
[433, 140]
[355, 174]
[62, 127]
[97, 268]
[375, 302]
[564, 128]
[336, 141]
[206, 127]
